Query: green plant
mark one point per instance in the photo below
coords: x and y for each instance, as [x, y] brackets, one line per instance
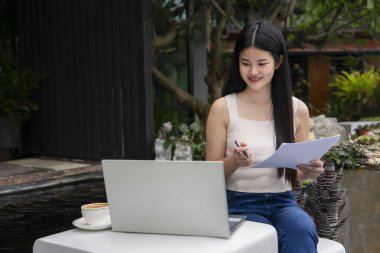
[353, 92]
[198, 140]
[346, 155]
[164, 132]
[372, 118]
[367, 140]
[16, 89]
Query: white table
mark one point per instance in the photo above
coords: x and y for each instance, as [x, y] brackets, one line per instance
[250, 237]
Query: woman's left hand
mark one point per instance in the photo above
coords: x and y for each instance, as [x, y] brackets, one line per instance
[312, 170]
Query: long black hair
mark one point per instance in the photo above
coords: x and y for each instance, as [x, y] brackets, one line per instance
[265, 36]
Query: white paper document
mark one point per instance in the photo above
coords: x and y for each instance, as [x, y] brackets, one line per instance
[289, 155]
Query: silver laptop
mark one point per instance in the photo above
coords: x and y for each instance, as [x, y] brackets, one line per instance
[168, 197]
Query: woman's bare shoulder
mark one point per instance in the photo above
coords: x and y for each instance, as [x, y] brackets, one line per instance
[219, 105]
[302, 121]
[219, 110]
[302, 109]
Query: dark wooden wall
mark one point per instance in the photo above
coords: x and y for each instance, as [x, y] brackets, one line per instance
[97, 100]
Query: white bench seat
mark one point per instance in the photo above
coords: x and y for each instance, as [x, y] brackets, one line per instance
[330, 246]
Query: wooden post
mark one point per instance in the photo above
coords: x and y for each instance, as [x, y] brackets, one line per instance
[319, 79]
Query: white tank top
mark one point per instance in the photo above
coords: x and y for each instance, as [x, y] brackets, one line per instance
[261, 138]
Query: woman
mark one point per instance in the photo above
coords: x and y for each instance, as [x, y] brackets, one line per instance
[258, 111]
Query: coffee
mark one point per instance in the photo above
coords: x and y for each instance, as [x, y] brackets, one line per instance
[95, 205]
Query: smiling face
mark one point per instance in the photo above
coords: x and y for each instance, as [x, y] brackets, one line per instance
[256, 68]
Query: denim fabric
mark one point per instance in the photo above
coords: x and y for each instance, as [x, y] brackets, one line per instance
[295, 228]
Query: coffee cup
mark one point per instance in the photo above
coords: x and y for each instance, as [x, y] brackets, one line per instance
[96, 213]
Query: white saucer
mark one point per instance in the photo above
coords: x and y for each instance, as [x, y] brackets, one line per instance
[81, 223]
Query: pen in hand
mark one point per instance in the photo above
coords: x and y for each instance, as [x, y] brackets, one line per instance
[244, 152]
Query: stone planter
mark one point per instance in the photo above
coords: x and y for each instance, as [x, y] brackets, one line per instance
[161, 152]
[361, 233]
[183, 152]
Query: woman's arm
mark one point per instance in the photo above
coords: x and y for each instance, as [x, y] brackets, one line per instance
[216, 139]
[315, 168]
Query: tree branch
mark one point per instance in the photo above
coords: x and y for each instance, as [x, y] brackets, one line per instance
[319, 38]
[313, 26]
[333, 21]
[230, 17]
[164, 40]
[195, 104]
[312, 36]
[214, 79]
[208, 17]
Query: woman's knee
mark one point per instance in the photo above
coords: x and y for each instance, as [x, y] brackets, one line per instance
[295, 222]
[296, 231]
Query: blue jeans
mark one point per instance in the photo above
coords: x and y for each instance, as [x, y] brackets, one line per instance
[295, 228]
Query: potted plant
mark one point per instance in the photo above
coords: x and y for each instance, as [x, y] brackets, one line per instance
[186, 143]
[162, 144]
[16, 103]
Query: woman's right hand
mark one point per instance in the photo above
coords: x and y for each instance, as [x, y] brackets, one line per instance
[240, 158]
